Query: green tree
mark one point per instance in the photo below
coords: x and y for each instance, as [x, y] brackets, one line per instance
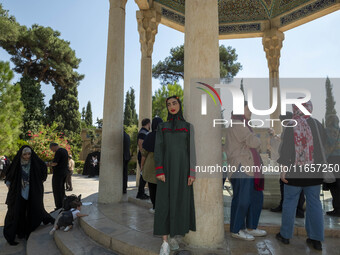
[11, 111]
[130, 115]
[172, 68]
[99, 123]
[33, 100]
[158, 100]
[41, 54]
[132, 131]
[9, 28]
[88, 115]
[127, 109]
[83, 114]
[134, 117]
[330, 102]
[64, 110]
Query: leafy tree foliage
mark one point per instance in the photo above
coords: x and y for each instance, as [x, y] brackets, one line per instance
[330, 102]
[11, 111]
[33, 100]
[99, 123]
[64, 110]
[172, 68]
[130, 115]
[41, 54]
[88, 115]
[9, 28]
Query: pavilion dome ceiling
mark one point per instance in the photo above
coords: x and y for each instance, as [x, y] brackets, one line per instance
[252, 16]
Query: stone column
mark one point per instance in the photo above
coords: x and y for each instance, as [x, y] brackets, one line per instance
[111, 164]
[202, 61]
[272, 44]
[148, 21]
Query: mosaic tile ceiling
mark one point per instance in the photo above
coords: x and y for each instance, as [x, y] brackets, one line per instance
[243, 10]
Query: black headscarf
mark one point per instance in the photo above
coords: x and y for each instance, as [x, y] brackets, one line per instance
[35, 209]
[150, 139]
[174, 117]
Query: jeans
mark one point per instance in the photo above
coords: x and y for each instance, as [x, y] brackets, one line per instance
[314, 215]
[247, 203]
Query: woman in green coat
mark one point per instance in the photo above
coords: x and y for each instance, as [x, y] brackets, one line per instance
[175, 172]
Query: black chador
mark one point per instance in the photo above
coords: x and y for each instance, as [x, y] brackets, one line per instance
[25, 196]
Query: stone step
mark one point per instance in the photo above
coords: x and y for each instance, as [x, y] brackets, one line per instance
[41, 243]
[121, 228]
[76, 242]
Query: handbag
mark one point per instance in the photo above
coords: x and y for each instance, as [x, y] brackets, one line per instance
[328, 175]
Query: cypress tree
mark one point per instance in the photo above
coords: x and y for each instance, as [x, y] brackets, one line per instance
[88, 115]
[127, 109]
[330, 102]
[134, 117]
[33, 100]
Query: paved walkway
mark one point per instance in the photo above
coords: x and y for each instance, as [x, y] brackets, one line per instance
[268, 245]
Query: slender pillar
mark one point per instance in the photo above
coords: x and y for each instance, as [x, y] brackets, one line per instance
[272, 44]
[111, 165]
[148, 21]
[201, 61]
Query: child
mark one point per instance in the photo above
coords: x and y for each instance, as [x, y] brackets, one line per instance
[67, 217]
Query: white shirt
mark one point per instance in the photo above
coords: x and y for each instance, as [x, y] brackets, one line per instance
[74, 213]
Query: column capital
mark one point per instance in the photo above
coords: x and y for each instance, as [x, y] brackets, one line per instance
[148, 21]
[272, 43]
[118, 4]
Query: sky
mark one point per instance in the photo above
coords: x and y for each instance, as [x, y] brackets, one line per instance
[309, 51]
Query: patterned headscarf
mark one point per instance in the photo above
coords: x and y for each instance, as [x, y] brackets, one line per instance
[303, 137]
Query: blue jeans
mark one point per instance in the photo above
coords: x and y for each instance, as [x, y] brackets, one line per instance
[314, 214]
[247, 203]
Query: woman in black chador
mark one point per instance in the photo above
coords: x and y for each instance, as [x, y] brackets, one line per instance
[24, 180]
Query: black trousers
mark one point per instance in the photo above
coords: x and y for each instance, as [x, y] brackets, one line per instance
[152, 190]
[58, 184]
[301, 201]
[125, 175]
[142, 183]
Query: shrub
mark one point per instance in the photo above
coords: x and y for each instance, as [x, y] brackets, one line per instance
[40, 141]
[132, 166]
[79, 166]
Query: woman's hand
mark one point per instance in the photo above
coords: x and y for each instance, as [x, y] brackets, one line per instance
[283, 177]
[191, 181]
[161, 177]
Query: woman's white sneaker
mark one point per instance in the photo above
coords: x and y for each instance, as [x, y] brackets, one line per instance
[243, 235]
[165, 249]
[256, 232]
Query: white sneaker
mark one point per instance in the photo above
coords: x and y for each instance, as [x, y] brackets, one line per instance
[67, 228]
[52, 231]
[243, 235]
[165, 249]
[151, 210]
[256, 232]
[173, 244]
